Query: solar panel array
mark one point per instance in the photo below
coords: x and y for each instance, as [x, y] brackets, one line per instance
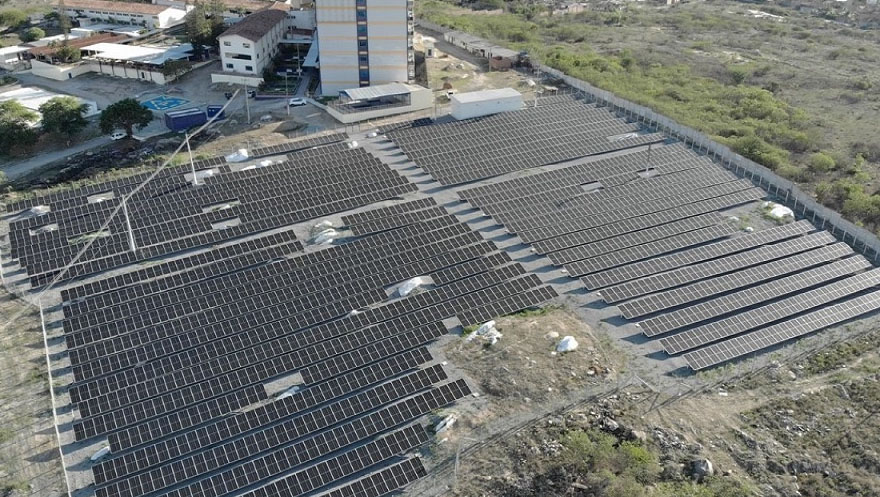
[645, 227]
[179, 365]
[169, 214]
[460, 152]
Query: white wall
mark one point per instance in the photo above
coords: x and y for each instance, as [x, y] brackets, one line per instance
[260, 52]
[170, 17]
[236, 79]
[301, 19]
[58, 72]
[485, 107]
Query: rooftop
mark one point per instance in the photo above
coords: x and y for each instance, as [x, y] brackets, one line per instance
[476, 96]
[256, 25]
[138, 8]
[81, 42]
[139, 53]
[378, 91]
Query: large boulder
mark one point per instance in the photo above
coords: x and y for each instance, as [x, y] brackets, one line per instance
[701, 468]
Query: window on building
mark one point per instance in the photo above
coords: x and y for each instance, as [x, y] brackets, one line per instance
[362, 29]
[362, 44]
[364, 74]
[361, 15]
[360, 3]
[249, 68]
[228, 66]
[363, 59]
[227, 44]
[246, 45]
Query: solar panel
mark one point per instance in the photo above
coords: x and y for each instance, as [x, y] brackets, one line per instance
[782, 332]
[717, 330]
[720, 284]
[702, 255]
[751, 296]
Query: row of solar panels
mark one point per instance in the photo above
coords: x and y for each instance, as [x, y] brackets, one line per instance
[355, 180]
[464, 151]
[163, 358]
[658, 247]
[79, 196]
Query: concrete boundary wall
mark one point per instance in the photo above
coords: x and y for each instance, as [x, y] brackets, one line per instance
[782, 190]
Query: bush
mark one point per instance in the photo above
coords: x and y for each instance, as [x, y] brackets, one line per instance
[32, 34]
[12, 18]
[821, 162]
[737, 74]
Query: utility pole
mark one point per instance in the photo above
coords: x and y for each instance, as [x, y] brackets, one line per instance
[192, 163]
[247, 107]
[131, 243]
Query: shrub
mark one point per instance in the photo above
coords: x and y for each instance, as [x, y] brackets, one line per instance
[821, 162]
[32, 34]
[737, 74]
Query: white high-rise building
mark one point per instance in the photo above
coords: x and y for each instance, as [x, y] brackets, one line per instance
[364, 43]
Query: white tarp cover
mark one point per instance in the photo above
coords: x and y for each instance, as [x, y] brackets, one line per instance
[409, 285]
[778, 211]
[326, 236]
[103, 451]
[567, 344]
[240, 156]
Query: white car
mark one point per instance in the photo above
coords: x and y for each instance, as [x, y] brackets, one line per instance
[117, 135]
[296, 102]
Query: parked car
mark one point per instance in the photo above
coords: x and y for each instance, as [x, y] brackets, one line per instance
[117, 135]
[296, 102]
[252, 93]
[228, 95]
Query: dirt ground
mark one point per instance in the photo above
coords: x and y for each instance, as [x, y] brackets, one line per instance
[465, 72]
[29, 459]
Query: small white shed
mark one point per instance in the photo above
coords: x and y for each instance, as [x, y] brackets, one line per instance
[485, 102]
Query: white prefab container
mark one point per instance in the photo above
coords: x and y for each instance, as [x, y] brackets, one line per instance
[486, 102]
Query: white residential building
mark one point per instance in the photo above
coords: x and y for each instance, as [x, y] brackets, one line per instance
[364, 43]
[140, 14]
[249, 45]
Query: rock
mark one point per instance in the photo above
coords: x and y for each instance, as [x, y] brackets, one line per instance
[801, 467]
[776, 467]
[609, 424]
[701, 468]
[792, 376]
[552, 335]
[639, 435]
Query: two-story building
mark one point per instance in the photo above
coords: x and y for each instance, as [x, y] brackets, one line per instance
[140, 14]
[247, 47]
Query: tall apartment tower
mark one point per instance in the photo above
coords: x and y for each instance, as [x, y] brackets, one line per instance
[364, 43]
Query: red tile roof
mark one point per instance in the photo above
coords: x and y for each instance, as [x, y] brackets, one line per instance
[80, 42]
[256, 25]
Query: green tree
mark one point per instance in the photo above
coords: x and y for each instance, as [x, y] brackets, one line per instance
[125, 114]
[32, 34]
[67, 53]
[64, 115]
[16, 125]
[12, 18]
[204, 23]
[172, 69]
